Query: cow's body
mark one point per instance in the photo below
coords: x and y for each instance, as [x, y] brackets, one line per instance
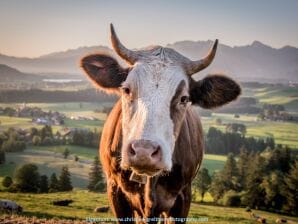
[169, 193]
[152, 142]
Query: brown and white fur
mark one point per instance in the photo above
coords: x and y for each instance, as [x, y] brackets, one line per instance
[152, 130]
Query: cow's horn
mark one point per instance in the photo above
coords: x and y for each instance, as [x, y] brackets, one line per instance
[196, 66]
[128, 55]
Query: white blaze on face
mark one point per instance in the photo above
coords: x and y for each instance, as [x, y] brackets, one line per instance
[146, 109]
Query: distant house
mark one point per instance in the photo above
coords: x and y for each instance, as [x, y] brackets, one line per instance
[293, 84]
[39, 116]
[42, 121]
[82, 118]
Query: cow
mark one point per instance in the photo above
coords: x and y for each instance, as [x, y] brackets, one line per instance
[152, 142]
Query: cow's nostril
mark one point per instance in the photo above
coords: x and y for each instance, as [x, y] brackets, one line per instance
[156, 152]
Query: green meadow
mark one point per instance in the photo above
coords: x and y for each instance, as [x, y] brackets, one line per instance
[287, 96]
[285, 133]
[49, 159]
[85, 202]
[48, 163]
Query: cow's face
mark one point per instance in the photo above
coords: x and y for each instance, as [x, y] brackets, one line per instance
[156, 91]
[153, 91]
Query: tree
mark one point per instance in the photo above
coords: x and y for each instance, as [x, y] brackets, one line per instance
[272, 184]
[44, 184]
[33, 132]
[230, 174]
[96, 182]
[7, 181]
[36, 140]
[46, 131]
[64, 180]
[255, 193]
[242, 165]
[217, 188]
[66, 153]
[76, 158]
[2, 156]
[202, 182]
[289, 190]
[78, 138]
[54, 183]
[27, 178]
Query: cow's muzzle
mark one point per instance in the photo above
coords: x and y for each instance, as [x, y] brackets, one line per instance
[145, 157]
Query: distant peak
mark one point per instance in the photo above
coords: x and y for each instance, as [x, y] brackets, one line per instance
[257, 43]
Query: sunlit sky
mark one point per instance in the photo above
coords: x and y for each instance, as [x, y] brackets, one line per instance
[35, 27]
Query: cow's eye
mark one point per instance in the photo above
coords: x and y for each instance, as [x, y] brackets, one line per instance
[184, 99]
[125, 90]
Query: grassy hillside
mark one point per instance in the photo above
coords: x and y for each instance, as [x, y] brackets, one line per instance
[285, 133]
[82, 152]
[213, 162]
[287, 96]
[49, 159]
[85, 202]
[48, 162]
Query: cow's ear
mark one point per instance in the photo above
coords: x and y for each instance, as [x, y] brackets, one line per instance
[214, 91]
[104, 71]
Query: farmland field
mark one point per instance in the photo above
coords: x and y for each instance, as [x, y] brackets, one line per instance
[286, 96]
[283, 132]
[48, 162]
[85, 202]
[49, 159]
[82, 152]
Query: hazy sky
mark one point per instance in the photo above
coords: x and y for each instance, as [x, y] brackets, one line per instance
[35, 27]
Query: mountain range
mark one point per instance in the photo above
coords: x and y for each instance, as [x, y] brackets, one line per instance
[254, 62]
[9, 74]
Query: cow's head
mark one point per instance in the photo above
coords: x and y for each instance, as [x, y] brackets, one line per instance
[156, 91]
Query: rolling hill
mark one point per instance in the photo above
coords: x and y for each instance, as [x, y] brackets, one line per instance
[9, 74]
[254, 62]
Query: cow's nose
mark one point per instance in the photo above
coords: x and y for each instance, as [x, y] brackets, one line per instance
[144, 151]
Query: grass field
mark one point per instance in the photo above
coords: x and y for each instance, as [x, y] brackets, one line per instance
[213, 162]
[82, 152]
[285, 133]
[85, 202]
[48, 162]
[69, 109]
[49, 159]
[287, 96]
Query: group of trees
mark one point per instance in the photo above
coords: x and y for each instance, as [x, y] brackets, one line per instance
[276, 112]
[63, 183]
[266, 180]
[28, 179]
[218, 142]
[11, 141]
[45, 136]
[86, 138]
